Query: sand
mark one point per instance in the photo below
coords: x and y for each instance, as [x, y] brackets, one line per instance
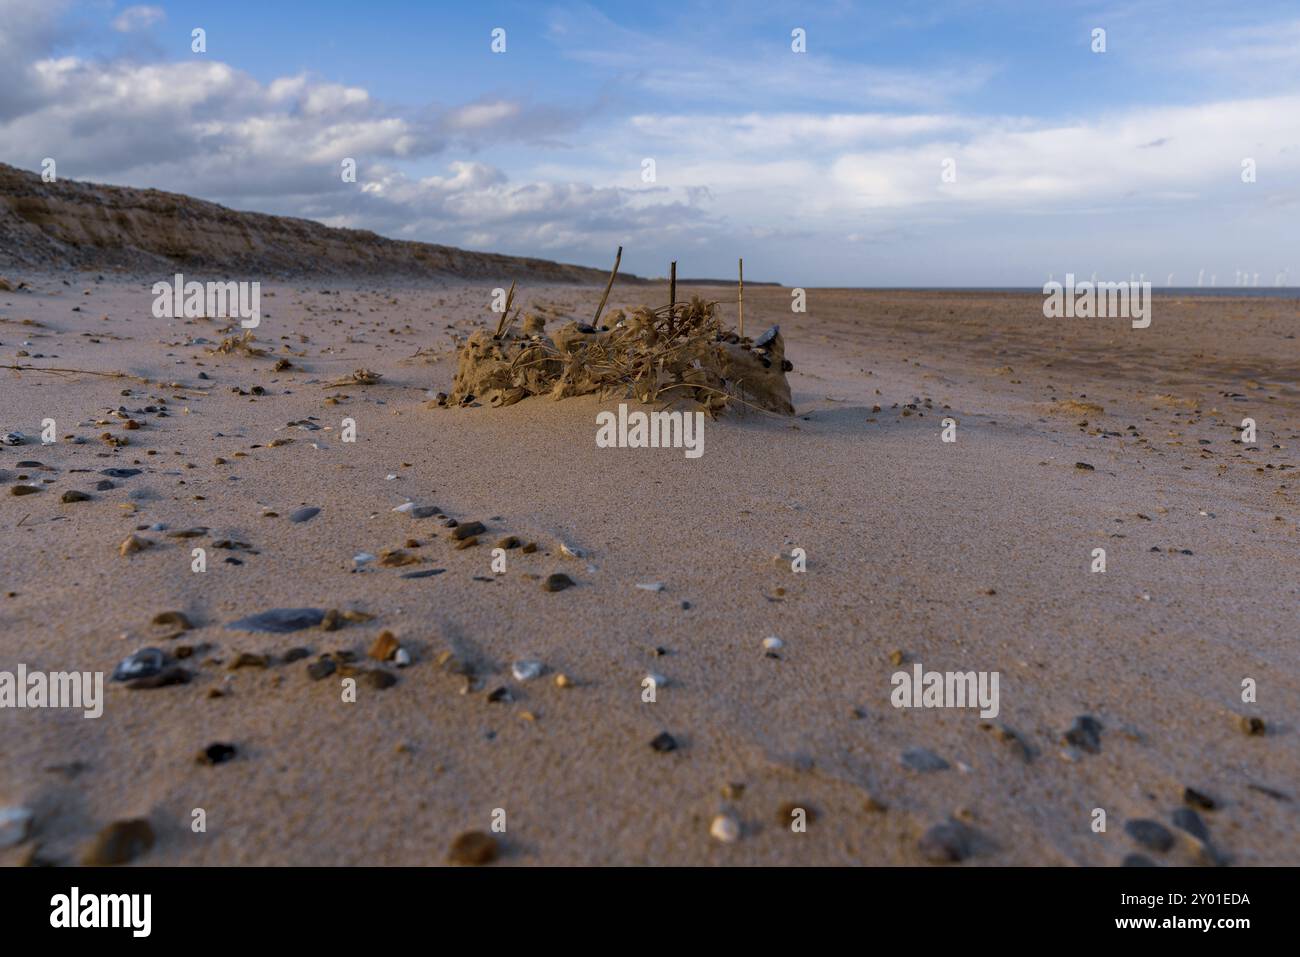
[970, 555]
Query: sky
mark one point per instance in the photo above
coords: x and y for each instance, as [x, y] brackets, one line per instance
[945, 143]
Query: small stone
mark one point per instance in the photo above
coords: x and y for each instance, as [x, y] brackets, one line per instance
[530, 548]
[465, 543]
[500, 695]
[217, 753]
[557, 582]
[657, 681]
[171, 675]
[664, 742]
[321, 668]
[650, 586]
[15, 825]
[119, 473]
[896, 657]
[526, 670]
[1152, 835]
[280, 620]
[379, 680]
[305, 514]
[295, 654]
[24, 490]
[425, 511]
[120, 842]
[773, 643]
[1137, 860]
[563, 681]
[246, 659]
[402, 658]
[72, 495]
[473, 848]
[142, 664]
[725, 829]
[468, 530]
[923, 759]
[1251, 725]
[103, 485]
[1195, 798]
[508, 542]
[134, 543]
[946, 843]
[1084, 467]
[1186, 819]
[172, 619]
[384, 647]
[1084, 733]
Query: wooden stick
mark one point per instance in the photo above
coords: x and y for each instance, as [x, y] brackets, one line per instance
[740, 302]
[672, 290]
[505, 313]
[608, 286]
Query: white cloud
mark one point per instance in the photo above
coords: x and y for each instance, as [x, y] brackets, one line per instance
[137, 18]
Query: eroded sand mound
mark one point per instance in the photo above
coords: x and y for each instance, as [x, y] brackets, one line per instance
[668, 354]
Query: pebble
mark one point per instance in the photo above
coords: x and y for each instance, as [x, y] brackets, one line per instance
[246, 659]
[1251, 725]
[424, 573]
[295, 654]
[379, 680]
[468, 530]
[563, 681]
[1150, 834]
[384, 647]
[1084, 733]
[217, 753]
[557, 582]
[134, 543]
[473, 848]
[664, 742]
[1196, 798]
[923, 759]
[172, 619]
[1186, 819]
[171, 675]
[305, 514]
[119, 473]
[725, 828]
[15, 825]
[526, 670]
[947, 843]
[23, 490]
[425, 511]
[773, 643]
[120, 842]
[280, 620]
[650, 586]
[103, 485]
[402, 658]
[142, 664]
[362, 558]
[659, 681]
[1084, 467]
[322, 668]
[1137, 860]
[72, 495]
[510, 541]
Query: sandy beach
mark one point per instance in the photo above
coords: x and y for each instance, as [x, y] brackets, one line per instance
[974, 554]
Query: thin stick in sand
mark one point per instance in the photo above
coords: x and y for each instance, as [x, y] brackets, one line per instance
[740, 301]
[618, 258]
[672, 290]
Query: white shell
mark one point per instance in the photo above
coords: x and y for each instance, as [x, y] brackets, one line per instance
[725, 828]
[526, 670]
[772, 643]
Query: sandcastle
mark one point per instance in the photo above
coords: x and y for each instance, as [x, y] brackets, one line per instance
[678, 352]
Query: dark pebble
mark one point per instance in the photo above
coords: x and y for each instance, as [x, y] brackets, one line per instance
[379, 680]
[1138, 860]
[280, 620]
[1196, 798]
[473, 848]
[103, 485]
[1186, 819]
[304, 514]
[1152, 835]
[119, 473]
[501, 694]
[295, 654]
[216, 754]
[72, 495]
[172, 675]
[143, 664]
[1251, 725]
[923, 759]
[425, 511]
[1085, 734]
[24, 490]
[1084, 466]
[321, 669]
[557, 582]
[468, 530]
[664, 742]
[424, 573]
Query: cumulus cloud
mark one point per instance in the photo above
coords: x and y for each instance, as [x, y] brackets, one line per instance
[137, 18]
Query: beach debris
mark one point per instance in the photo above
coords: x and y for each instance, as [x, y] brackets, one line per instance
[238, 345]
[15, 825]
[947, 843]
[474, 849]
[1084, 733]
[358, 377]
[279, 620]
[305, 514]
[119, 843]
[1152, 835]
[557, 582]
[725, 829]
[526, 670]
[923, 759]
[677, 351]
[664, 742]
[142, 664]
[216, 753]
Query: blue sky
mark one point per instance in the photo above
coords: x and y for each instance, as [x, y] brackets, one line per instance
[820, 168]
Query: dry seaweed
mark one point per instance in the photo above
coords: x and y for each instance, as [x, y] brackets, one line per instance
[678, 352]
